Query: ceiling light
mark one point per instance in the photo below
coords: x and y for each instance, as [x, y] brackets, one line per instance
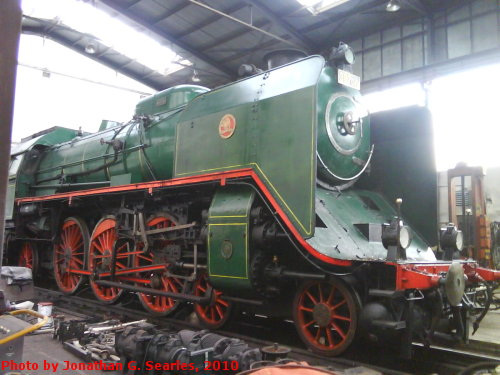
[393, 6]
[318, 6]
[106, 30]
[195, 77]
[91, 48]
[328, 4]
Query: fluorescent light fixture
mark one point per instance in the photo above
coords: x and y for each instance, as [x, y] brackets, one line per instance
[90, 48]
[393, 6]
[195, 77]
[133, 42]
[318, 6]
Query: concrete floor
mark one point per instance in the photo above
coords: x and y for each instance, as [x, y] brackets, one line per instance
[489, 330]
[42, 347]
[38, 348]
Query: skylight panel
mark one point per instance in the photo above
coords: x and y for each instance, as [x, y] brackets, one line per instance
[318, 6]
[132, 42]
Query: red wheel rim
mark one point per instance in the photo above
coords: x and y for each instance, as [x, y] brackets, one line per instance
[325, 316]
[69, 256]
[101, 247]
[158, 304]
[217, 312]
[26, 255]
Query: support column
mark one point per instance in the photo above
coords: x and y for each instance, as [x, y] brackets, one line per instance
[10, 30]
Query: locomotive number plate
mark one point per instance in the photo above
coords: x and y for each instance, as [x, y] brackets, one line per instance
[349, 79]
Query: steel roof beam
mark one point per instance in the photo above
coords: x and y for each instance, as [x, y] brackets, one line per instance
[261, 46]
[235, 35]
[156, 30]
[416, 5]
[170, 13]
[134, 3]
[248, 25]
[279, 21]
[364, 7]
[208, 22]
[40, 30]
[340, 16]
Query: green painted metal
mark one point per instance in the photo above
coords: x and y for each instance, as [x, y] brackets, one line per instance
[275, 133]
[228, 238]
[280, 129]
[169, 99]
[24, 161]
[146, 154]
[282, 123]
[108, 124]
[343, 213]
[48, 137]
[279, 115]
[341, 156]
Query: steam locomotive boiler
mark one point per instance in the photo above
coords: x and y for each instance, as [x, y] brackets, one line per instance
[273, 194]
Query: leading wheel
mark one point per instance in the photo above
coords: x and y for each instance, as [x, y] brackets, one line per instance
[217, 312]
[326, 316]
[158, 305]
[28, 257]
[70, 255]
[102, 242]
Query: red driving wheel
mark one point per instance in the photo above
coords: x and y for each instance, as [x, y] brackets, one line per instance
[102, 241]
[326, 316]
[70, 254]
[28, 256]
[158, 305]
[215, 314]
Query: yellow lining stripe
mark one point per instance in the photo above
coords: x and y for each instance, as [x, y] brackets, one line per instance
[230, 277]
[214, 217]
[232, 216]
[269, 183]
[227, 224]
[311, 203]
[214, 169]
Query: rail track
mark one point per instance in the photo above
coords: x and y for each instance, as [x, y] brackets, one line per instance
[258, 331]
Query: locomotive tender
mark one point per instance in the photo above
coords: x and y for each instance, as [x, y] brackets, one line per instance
[247, 196]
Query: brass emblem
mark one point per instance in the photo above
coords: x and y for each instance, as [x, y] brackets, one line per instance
[227, 125]
[226, 249]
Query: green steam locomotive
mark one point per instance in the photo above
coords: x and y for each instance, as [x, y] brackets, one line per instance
[273, 194]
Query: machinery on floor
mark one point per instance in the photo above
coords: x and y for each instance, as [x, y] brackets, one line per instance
[273, 194]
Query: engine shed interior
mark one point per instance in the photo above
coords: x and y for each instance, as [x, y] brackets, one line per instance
[247, 186]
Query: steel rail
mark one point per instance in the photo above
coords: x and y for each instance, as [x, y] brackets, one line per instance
[82, 306]
[446, 360]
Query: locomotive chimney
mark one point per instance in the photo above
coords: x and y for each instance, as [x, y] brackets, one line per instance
[283, 56]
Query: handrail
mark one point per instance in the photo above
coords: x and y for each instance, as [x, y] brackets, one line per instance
[26, 330]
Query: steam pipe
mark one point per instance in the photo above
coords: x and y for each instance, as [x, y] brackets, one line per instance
[90, 171]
